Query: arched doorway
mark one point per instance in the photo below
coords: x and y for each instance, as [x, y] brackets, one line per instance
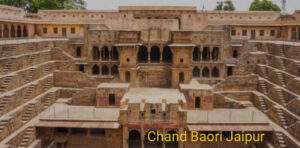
[114, 70]
[196, 72]
[114, 53]
[181, 77]
[127, 77]
[215, 72]
[172, 144]
[96, 53]
[205, 72]
[104, 70]
[167, 55]
[95, 70]
[156, 144]
[134, 140]
[19, 31]
[196, 54]
[205, 54]
[12, 31]
[215, 54]
[5, 32]
[25, 32]
[105, 53]
[197, 102]
[143, 55]
[235, 54]
[155, 54]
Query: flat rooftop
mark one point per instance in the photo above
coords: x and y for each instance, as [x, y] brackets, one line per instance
[64, 112]
[195, 85]
[113, 85]
[153, 95]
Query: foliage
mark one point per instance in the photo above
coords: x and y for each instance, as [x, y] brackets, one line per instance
[225, 6]
[35, 5]
[264, 5]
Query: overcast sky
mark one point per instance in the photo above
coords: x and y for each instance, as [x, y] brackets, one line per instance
[240, 5]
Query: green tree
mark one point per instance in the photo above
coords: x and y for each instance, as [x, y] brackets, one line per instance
[264, 5]
[225, 6]
[35, 5]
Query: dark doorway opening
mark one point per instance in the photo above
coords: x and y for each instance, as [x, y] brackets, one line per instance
[229, 71]
[104, 70]
[215, 54]
[155, 54]
[205, 54]
[114, 70]
[196, 72]
[181, 77]
[167, 55]
[205, 72]
[81, 68]
[143, 55]
[114, 53]
[112, 99]
[96, 53]
[127, 75]
[215, 72]
[95, 70]
[197, 102]
[134, 139]
[196, 54]
[105, 53]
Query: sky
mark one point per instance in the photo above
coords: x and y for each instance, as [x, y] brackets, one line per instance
[240, 5]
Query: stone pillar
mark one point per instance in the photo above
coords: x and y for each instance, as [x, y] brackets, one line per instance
[180, 144]
[109, 53]
[200, 52]
[142, 136]
[109, 71]
[210, 52]
[1, 31]
[125, 137]
[9, 27]
[164, 143]
[161, 57]
[22, 27]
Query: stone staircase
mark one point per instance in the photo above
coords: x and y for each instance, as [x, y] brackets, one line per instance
[281, 78]
[263, 86]
[28, 93]
[5, 84]
[3, 125]
[29, 77]
[264, 71]
[280, 138]
[31, 59]
[282, 118]
[281, 64]
[28, 112]
[281, 96]
[262, 103]
[48, 100]
[7, 67]
[280, 51]
[48, 84]
[28, 137]
[47, 68]
[4, 103]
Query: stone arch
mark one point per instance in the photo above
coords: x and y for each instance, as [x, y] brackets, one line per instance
[206, 54]
[12, 31]
[95, 70]
[197, 102]
[134, 140]
[235, 54]
[143, 54]
[105, 53]
[181, 77]
[196, 54]
[114, 53]
[196, 72]
[96, 53]
[172, 144]
[25, 31]
[215, 72]
[167, 55]
[19, 31]
[5, 31]
[104, 70]
[127, 76]
[114, 70]
[156, 144]
[205, 72]
[155, 54]
[215, 54]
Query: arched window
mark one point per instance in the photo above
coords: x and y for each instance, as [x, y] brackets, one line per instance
[12, 31]
[205, 54]
[19, 32]
[181, 77]
[114, 53]
[5, 32]
[215, 54]
[143, 54]
[172, 143]
[196, 54]
[25, 32]
[96, 53]
[155, 54]
[105, 53]
[114, 70]
[205, 72]
[167, 55]
[235, 54]
[104, 70]
[127, 76]
[197, 102]
[134, 140]
[215, 72]
[95, 70]
[196, 72]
